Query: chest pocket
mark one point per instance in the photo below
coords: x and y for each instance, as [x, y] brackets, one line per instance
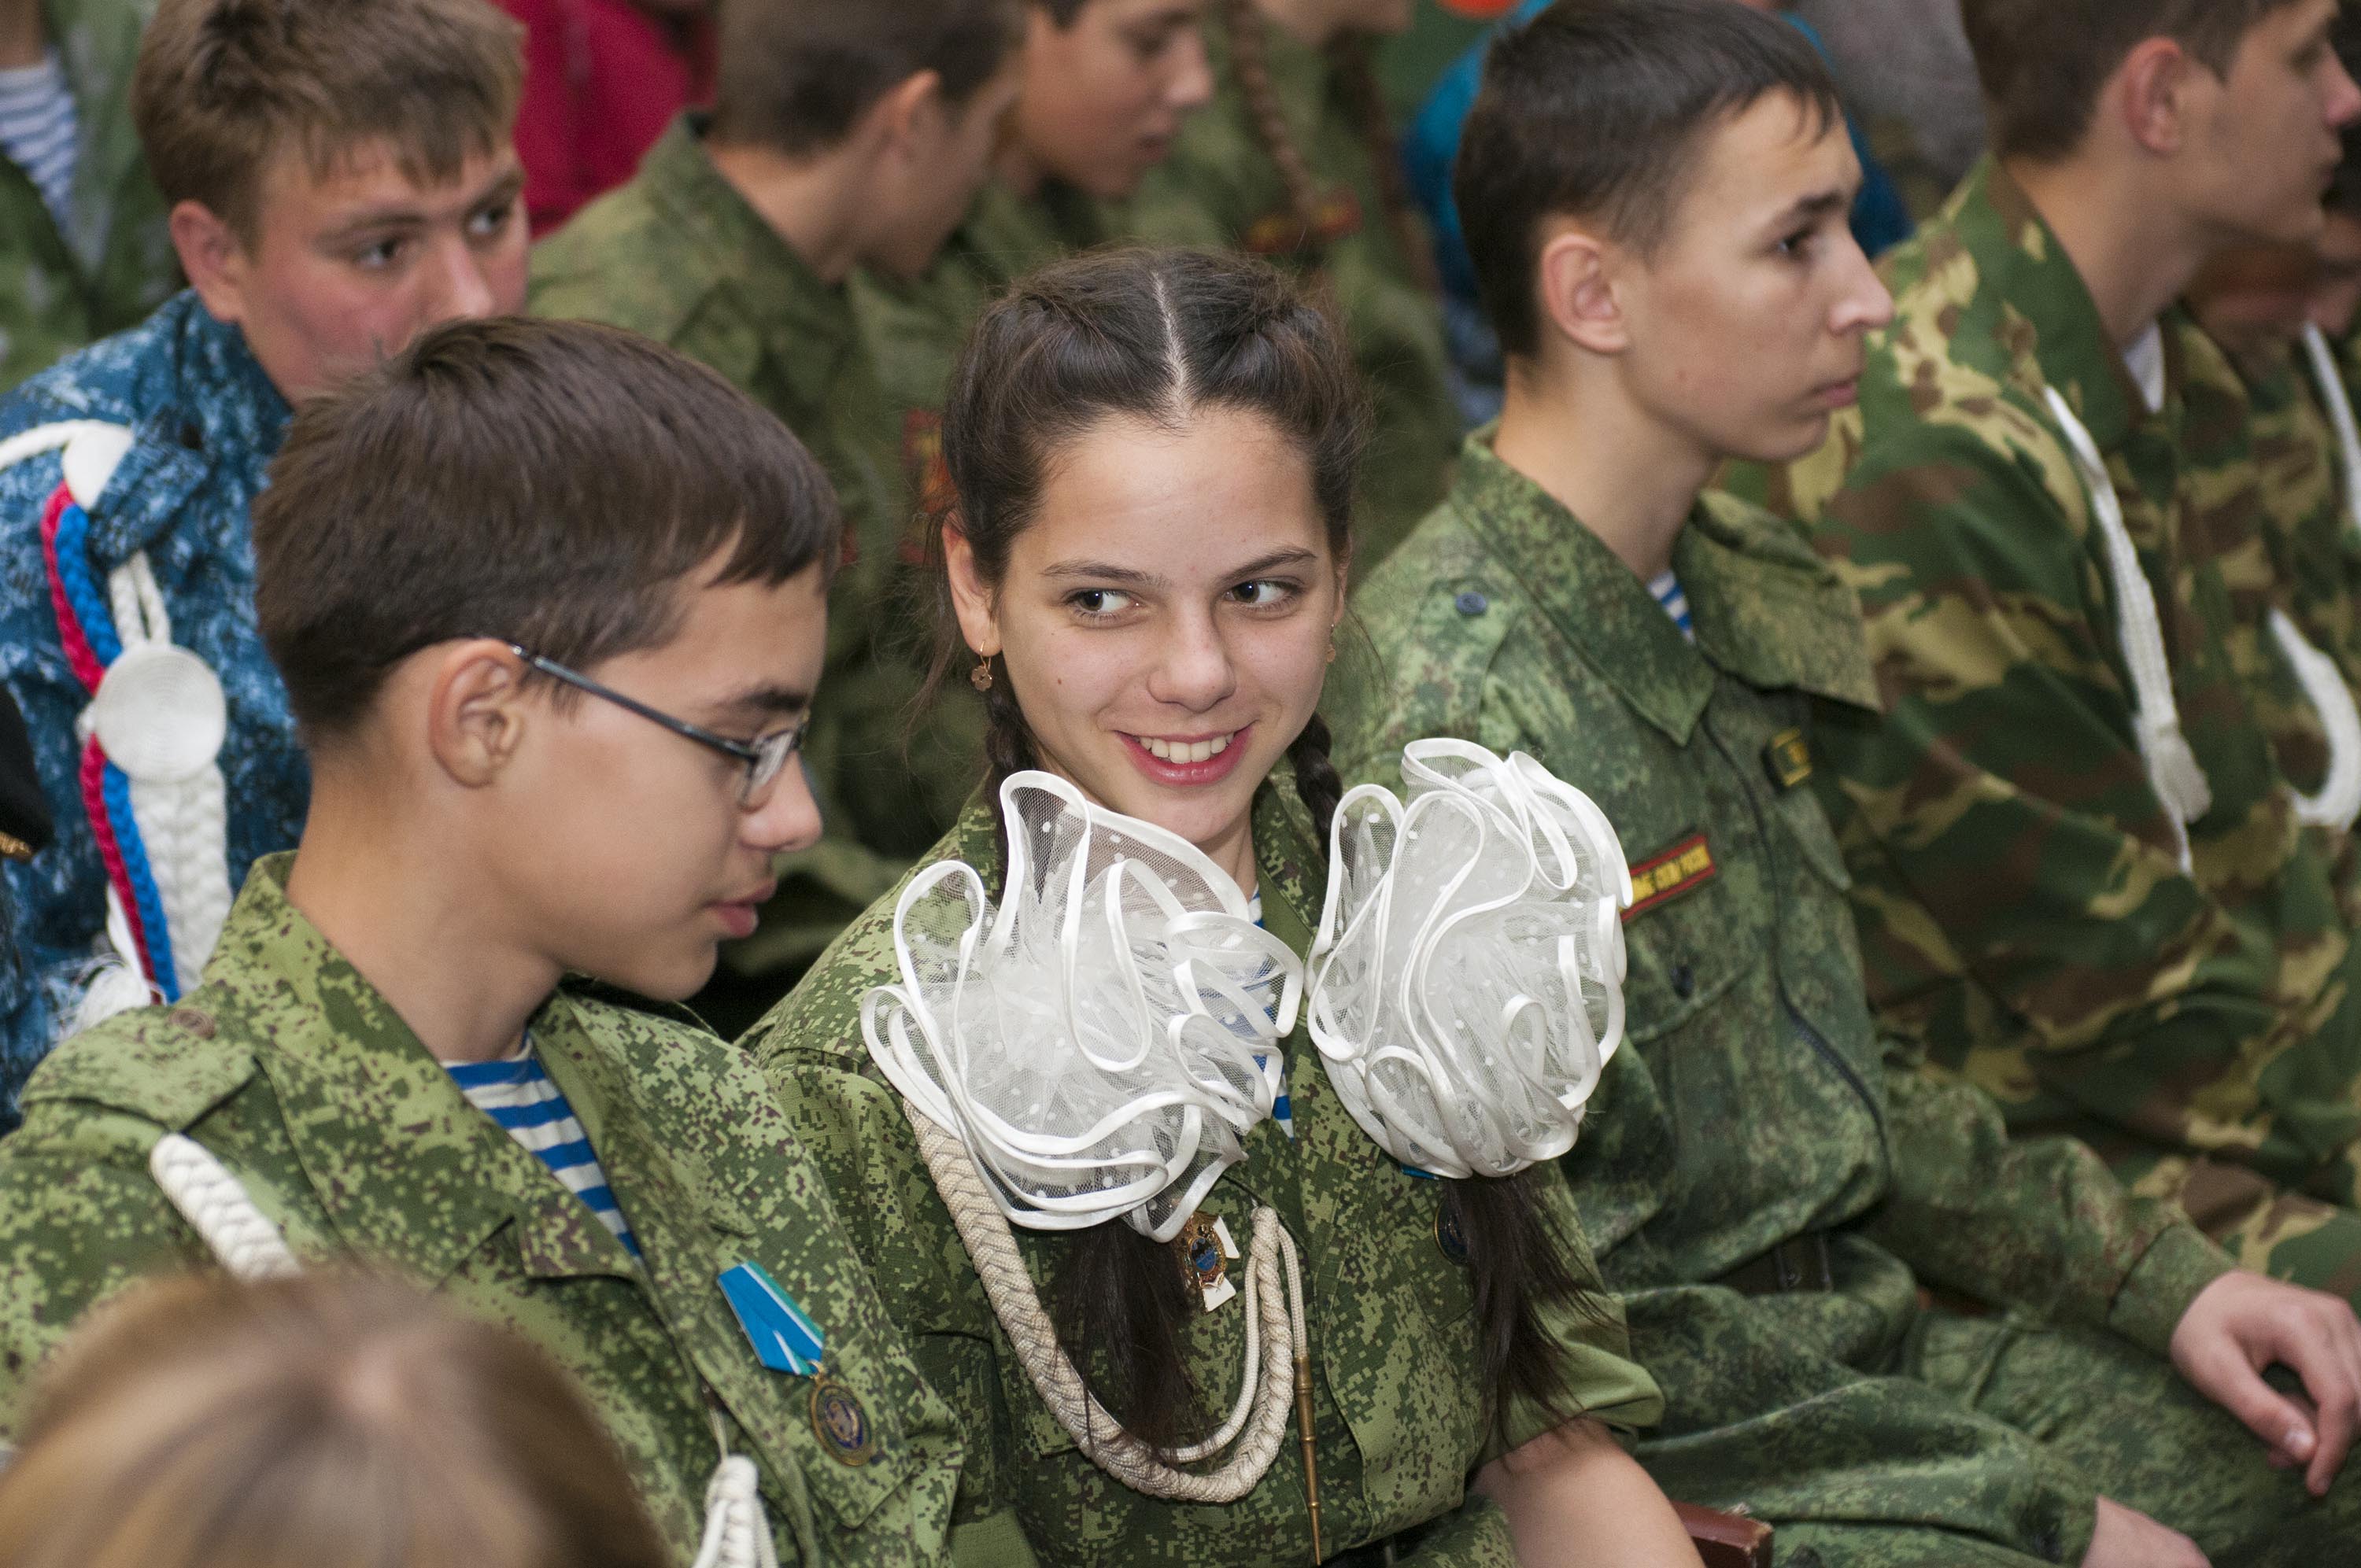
[1685, 929]
[884, 1394]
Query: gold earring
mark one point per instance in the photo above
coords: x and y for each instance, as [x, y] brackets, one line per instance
[981, 676]
[1332, 652]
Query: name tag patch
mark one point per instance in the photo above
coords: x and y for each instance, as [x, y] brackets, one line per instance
[1788, 758]
[1686, 867]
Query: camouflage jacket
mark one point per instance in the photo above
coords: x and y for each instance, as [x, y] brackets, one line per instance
[1220, 188]
[1754, 1101]
[63, 286]
[1399, 1415]
[2269, 517]
[914, 330]
[295, 1073]
[207, 422]
[679, 256]
[2023, 908]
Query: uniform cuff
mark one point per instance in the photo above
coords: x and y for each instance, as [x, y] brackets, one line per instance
[2178, 1265]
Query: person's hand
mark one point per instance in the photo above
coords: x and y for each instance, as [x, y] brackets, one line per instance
[2128, 1539]
[2242, 1323]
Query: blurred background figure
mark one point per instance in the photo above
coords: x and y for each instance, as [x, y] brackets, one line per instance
[602, 80]
[320, 1422]
[1910, 83]
[83, 247]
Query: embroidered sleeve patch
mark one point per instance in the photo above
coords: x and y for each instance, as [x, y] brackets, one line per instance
[1686, 867]
[1788, 758]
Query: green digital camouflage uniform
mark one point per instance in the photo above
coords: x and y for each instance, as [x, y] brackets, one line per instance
[914, 329]
[1755, 1103]
[1220, 188]
[61, 288]
[1399, 1413]
[679, 256]
[295, 1073]
[2023, 914]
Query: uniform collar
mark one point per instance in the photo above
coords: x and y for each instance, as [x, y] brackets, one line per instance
[1766, 611]
[806, 324]
[220, 412]
[408, 1171]
[2049, 316]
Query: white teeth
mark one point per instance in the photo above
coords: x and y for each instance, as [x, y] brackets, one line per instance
[1185, 753]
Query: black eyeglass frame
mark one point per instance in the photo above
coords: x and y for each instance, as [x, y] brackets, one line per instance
[765, 759]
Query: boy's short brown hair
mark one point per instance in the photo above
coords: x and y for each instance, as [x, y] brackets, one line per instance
[223, 86]
[797, 75]
[2042, 62]
[556, 483]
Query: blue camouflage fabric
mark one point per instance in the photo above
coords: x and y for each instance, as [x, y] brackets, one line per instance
[207, 422]
[296, 1074]
[1757, 1112]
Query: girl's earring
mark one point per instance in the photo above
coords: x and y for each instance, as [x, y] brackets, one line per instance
[981, 676]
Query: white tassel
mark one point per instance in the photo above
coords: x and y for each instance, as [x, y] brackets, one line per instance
[2338, 804]
[2178, 778]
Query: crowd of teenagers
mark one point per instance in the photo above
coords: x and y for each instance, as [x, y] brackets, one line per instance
[900, 852]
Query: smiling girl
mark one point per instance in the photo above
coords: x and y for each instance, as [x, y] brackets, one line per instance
[1153, 456]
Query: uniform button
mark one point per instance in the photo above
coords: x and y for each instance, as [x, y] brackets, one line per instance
[195, 1021]
[1683, 981]
[1473, 603]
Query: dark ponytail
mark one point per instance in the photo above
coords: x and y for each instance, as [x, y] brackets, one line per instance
[1365, 100]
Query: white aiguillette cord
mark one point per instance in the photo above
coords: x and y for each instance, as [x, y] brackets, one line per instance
[2337, 805]
[2173, 767]
[1274, 1310]
[222, 1212]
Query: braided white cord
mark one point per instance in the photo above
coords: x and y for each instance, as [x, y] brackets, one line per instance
[737, 1535]
[45, 438]
[183, 823]
[1275, 1291]
[249, 1247]
[2338, 804]
[2173, 769]
[218, 1210]
[2339, 403]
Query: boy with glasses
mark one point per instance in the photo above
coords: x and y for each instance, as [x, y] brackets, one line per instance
[495, 576]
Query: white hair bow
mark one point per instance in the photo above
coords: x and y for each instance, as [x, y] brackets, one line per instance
[1103, 1043]
[1467, 981]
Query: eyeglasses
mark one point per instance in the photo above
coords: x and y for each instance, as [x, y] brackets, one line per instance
[765, 758]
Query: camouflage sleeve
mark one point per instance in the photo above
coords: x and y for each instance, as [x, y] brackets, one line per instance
[1603, 1383]
[2036, 1222]
[2000, 817]
[864, 1146]
[80, 1219]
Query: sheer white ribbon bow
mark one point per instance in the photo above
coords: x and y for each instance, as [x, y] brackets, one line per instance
[1467, 978]
[1103, 1041]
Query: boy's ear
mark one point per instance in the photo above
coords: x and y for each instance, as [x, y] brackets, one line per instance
[2150, 94]
[1575, 282]
[475, 710]
[971, 599]
[214, 258]
[910, 109]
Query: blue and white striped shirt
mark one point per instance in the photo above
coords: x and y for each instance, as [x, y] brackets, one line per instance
[39, 132]
[1675, 600]
[519, 1095]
